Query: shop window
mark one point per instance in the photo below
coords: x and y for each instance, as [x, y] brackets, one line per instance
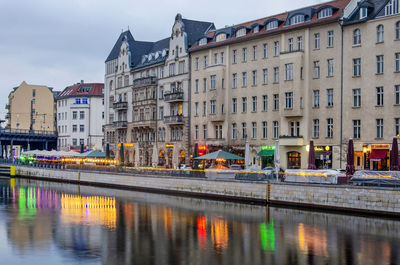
[294, 160]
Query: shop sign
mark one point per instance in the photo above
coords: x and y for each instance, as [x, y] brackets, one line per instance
[380, 146]
[322, 148]
[127, 145]
[169, 145]
[268, 147]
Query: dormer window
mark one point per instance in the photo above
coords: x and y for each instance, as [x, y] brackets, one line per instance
[220, 37]
[241, 32]
[297, 19]
[363, 12]
[272, 25]
[326, 12]
[203, 41]
[256, 29]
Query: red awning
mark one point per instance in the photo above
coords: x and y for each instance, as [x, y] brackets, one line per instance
[378, 154]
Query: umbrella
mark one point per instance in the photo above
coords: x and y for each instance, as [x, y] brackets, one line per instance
[93, 153]
[121, 153]
[247, 154]
[107, 150]
[195, 154]
[394, 155]
[277, 159]
[311, 156]
[350, 159]
[219, 155]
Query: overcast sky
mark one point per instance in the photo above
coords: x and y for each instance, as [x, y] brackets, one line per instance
[60, 42]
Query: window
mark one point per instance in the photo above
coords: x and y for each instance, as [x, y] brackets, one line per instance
[397, 126]
[223, 83]
[204, 108]
[379, 128]
[276, 101]
[74, 128]
[74, 115]
[172, 69]
[265, 50]
[397, 29]
[244, 130]
[234, 80]
[316, 69]
[204, 84]
[254, 53]
[316, 40]
[126, 80]
[204, 131]
[330, 38]
[234, 56]
[215, 58]
[81, 115]
[264, 130]
[234, 131]
[276, 48]
[81, 128]
[294, 128]
[254, 104]
[315, 132]
[244, 104]
[196, 132]
[234, 105]
[397, 62]
[392, 7]
[289, 100]
[289, 71]
[329, 128]
[290, 44]
[272, 25]
[329, 93]
[244, 79]
[276, 74]
[161, 111]
[300, 43]
[203, 41]
[33, 92]
[326, 12]
[379, 33]
[218, 131]
[77, 101]
[276, 129]
[357, 98]
[357, 67]
[196, 63]
[254, 130]
[265, 102]
[330, 67]
[256, 29]
[363, 12]
[196, 86]
[356, 129]
[220, 37]
[296, 19]
[397, 94]
[213, 106]
[74, 142]
[222, 57]
[379, 96]
[196, 109]
[241, 32]
[357, 37]
[265, 76]
[254, 74]
[205, 61]
[244, 55]
[316, 99]
[213, 84]
[379, 64]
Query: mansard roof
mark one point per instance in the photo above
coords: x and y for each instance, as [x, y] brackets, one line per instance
[376, 8]
[196, 29]
[82, 90]
[311, 11]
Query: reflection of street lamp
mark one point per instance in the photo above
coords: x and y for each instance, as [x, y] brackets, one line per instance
[308, 148]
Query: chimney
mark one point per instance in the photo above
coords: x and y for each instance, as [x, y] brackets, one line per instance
[82, 81]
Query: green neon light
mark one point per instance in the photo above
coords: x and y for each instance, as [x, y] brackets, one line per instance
[267, 236]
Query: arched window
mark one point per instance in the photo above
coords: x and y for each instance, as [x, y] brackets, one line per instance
[326, 12]
[221, 37]
[297, 19]
[272, 25]
[397, 28]
[294, 160]
[379, 33]
[241, 32]
[356, 37]
[203, 41]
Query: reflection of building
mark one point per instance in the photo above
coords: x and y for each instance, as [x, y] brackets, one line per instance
[80, 116]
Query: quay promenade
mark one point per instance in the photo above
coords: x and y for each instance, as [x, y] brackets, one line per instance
[346, 198]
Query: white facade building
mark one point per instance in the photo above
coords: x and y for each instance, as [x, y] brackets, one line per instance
[80, 117]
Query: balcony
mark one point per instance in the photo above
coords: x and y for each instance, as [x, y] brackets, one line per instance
[173, 96]
[172, 120]
[144, 102]
[120, 124]
[144, 124]
[122, 105]
[220, 117]
[292, 113]
[285, 140]
[145, 81]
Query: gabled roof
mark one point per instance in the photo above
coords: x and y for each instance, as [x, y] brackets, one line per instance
[82, 90]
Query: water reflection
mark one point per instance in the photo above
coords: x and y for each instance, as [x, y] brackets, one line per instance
[67, 224]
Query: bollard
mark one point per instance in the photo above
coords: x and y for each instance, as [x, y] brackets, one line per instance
[12, 170]
[268, 191]
[79, 176]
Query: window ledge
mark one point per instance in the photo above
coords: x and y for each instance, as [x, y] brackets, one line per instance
[288, 80]
[396, 105]
[379, 106]
[356, 45]
[330, 76]
[356, 76]
[378, 73]
[378, 139]
[330, 47]
[315, 107]
[254, 112]
[396, 72]
[275, 83]
[244, 86]
[264, 84]
[288, 108]
[275, 110]
[354, 107]
[380, 42]
[329, 107]
[264, 110]
[315, 78]
[253, 85]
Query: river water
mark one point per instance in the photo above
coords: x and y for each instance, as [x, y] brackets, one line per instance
[52, 223]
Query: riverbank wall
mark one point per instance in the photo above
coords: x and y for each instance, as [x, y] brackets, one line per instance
[371, 200]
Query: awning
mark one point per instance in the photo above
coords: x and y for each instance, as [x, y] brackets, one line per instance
[378, 154]
[266, 153]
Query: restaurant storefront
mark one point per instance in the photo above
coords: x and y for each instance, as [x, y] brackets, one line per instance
[378, 156]
[323, 157]
[267, 155]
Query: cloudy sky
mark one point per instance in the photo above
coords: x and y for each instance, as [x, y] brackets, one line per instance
[60, 42]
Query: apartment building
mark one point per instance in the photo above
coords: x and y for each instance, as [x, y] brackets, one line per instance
[80, 117]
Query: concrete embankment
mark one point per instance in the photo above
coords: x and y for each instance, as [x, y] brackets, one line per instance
[373, 200]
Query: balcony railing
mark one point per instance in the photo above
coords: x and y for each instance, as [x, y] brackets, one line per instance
[176, 119]
[31, 132]
[120, 105]
[144, 81]
[173, 96]
[120, 124]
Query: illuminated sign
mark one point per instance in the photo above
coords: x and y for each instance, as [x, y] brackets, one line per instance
[268, 147]
[322, 148]
[202, 150]
[169, 145]
[380, 146]
[127, 145]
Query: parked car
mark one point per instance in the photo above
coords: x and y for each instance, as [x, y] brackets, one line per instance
[236, 167]
[183, 166]
[269, 172]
